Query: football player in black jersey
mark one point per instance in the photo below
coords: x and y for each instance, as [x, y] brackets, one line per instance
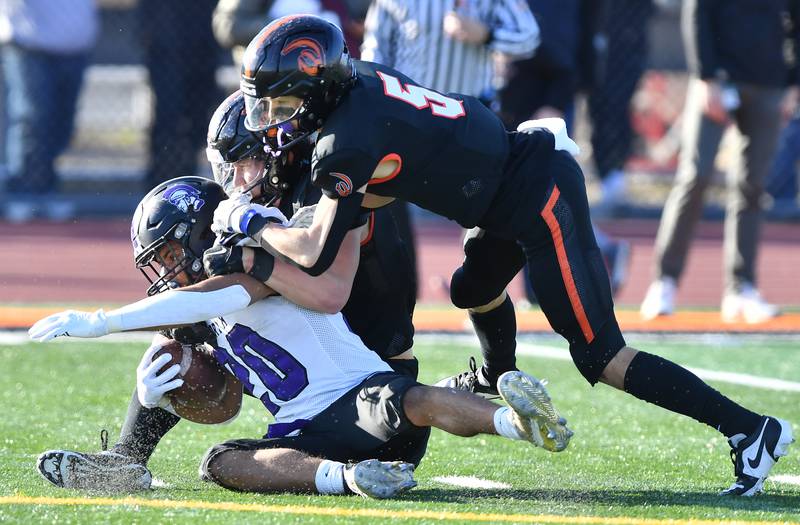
[379, 309]
[383, 137]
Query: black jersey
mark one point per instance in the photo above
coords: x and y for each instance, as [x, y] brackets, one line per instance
[381, 303]
[453, 154]
[451, 148]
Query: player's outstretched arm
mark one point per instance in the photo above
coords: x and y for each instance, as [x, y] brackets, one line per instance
[314, 249]
[325, 293]
[205, 300]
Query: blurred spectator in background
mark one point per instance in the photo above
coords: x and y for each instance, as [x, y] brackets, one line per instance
[181, 58]
[45, 50]
[447, 45]
[735, 52]
[613, 58]
[544, 86]
[782, 182]
[236, 22]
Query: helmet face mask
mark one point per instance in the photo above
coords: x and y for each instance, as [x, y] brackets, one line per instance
[244, 175]
[171, 229]
[233, 151]
[268, 112]
[168, 266]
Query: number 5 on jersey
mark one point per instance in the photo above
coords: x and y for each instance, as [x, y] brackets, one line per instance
[421, 98]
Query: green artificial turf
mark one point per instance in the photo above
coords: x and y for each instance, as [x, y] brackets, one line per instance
[628, 462]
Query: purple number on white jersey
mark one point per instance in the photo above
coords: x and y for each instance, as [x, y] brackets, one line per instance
[276, 370]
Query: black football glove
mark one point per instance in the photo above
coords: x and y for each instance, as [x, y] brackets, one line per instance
[224, 260]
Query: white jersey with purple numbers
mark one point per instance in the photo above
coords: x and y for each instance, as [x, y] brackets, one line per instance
[296, 361]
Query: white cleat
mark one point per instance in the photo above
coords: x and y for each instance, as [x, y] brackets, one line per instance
[659, 300]
[754, 456]
[535, 417]
[379, 479]
[747, 305]
[102, 472]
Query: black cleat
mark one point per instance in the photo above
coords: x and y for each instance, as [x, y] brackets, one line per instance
[105, 471]
[753, 456]
[471, 381]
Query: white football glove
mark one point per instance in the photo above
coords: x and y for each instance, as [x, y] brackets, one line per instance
[150, 385]
[558, 128]
[71, 323]
[303, 217]
[229, 213]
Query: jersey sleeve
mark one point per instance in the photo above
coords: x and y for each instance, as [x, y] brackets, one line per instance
[339, 176]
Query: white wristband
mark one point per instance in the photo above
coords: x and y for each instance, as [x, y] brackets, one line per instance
[176, 307]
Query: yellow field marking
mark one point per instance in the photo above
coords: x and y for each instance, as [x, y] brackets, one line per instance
[367, 513]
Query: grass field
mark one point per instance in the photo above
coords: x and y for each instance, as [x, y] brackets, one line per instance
[628, 463]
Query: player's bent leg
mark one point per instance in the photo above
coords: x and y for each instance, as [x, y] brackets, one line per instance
[260, 470]
[106, 471]
[142, 430]
[269, 465]
[121, 469]
[567, 270]
[490, 263]
[454, 411]
[530, 415]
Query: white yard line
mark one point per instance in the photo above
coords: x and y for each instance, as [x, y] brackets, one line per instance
[523, 348]
[561, 354]
[470, 482]
[789, 479]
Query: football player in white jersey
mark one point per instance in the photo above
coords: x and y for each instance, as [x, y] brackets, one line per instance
[344, 421]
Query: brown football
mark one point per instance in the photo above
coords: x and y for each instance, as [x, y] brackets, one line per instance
[209, 394]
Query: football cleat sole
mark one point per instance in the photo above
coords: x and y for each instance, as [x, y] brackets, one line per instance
[379, 479]
[106, 472]
[536, 417]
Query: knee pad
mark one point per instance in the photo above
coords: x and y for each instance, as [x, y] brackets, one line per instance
[466, 291]
[490, 263]
[592, 358]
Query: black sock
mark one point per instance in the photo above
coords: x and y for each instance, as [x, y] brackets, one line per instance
[663, 383]
[143, 429]
[497, 333]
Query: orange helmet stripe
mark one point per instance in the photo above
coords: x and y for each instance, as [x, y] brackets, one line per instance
[250, 58]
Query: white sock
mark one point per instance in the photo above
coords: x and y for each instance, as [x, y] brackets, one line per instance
[329, 478]
[503, 424]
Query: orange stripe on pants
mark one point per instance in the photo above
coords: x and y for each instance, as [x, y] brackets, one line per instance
[563, 263]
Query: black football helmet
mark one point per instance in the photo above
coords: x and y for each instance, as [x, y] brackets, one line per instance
[303, 56]
[228, 141]
[181, 210]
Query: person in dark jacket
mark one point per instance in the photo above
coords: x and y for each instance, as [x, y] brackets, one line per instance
[613, 58]
[735, 52]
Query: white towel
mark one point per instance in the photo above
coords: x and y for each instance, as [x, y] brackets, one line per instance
[558, 128]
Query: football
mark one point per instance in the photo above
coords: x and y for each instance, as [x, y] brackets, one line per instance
[209, 394]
